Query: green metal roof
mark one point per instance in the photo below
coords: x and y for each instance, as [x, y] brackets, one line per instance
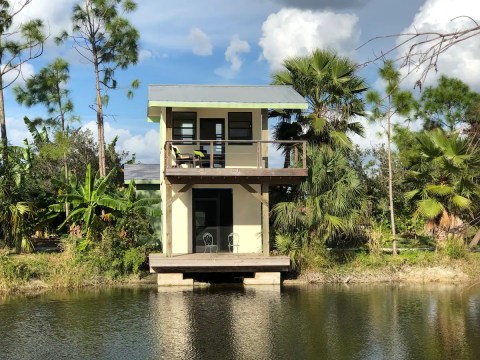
[226, 96]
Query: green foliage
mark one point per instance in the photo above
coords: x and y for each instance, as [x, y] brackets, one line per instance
[328, 206]
[455, 247]
[48, 88]
[11, 270]
[133, 259]
[333, 89]
[16, 206]
[89, 201]
[18, 46]
[376, 239]
[114, 256]
[288, 245]
[444, 176]
[449, 105]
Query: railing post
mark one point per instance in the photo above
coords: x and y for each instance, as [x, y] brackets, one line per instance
[168, 146]
[295, 156]
[304, 149]
[259, 155]
[211, 154]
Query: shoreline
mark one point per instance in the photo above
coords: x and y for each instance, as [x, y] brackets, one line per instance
[54, 273]
[411, 276]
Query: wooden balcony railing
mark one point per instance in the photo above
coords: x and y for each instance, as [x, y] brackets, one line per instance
[231, 153]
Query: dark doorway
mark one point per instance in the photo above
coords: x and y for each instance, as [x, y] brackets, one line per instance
[212, 213]
[213, 129]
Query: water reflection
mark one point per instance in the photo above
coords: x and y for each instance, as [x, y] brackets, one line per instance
[330, 322]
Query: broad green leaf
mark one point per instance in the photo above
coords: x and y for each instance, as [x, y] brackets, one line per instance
[430, 208]
[88, 183]
[411, 194]
[461, 201]
[439, 189]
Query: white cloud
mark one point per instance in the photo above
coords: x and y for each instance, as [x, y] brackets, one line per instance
[18, 75]
[17, 131]
[55, 15]
[232, 55]
[294, 32]
[233, 52]
[463, 59]
[145, 146]
[144, 54]
[374, 134]
[375, 131]
[200, 42]
[164, 24]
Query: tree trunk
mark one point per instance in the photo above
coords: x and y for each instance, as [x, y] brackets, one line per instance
[286, 162]
[3, 126]
[475, 240]
[101, 134]
[65, 164]
[390, 178]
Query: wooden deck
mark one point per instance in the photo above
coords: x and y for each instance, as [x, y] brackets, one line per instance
[235, 175]
[217, 262]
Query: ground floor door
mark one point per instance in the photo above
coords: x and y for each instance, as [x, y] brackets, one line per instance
[212, 214]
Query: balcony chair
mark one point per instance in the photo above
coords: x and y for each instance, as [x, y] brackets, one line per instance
[199, 159]
[182, 160]
[208, 241]
[233, 241]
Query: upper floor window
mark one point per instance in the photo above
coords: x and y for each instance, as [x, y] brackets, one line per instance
[240, 126]
[184, 125]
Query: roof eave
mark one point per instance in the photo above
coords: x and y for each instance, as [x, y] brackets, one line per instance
[228, 105]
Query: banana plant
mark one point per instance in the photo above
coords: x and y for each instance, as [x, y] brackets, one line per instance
[90, 201]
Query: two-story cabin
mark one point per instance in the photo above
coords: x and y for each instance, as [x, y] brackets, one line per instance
[214, 178]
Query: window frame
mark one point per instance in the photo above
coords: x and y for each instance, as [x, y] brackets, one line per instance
[176, 125]
[231, 121]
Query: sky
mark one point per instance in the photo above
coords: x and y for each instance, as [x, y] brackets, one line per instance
[239, 42]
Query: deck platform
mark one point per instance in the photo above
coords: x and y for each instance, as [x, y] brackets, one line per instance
[235, 176]
[217, 262]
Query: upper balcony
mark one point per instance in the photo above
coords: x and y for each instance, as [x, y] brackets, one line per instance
[233, 161]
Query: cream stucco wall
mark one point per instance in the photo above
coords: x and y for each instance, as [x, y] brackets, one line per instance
[246, 209]
[246, 219]
[236, 156]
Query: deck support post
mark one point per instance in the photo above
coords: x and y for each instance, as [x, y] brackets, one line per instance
[265, 138]
[173, 279]
[265, 221]
[264, 278]
[168, 219]
[169, 192]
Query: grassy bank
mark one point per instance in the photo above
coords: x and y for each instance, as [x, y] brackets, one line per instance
[409, 266]
[70, 269]
[30, 273]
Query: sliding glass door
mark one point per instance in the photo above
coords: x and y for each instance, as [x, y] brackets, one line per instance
[212, 214]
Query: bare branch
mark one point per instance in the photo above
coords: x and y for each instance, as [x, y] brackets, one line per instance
[423, 49]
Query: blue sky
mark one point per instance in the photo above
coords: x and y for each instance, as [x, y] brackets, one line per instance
[238, 42]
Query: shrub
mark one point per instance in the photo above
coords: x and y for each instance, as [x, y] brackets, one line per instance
[376, 239]
[133, 259]
[455, 247]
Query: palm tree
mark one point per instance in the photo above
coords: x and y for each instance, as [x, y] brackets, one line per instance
[328, 205]
[447, 182]
[333, 90]
[287, 130]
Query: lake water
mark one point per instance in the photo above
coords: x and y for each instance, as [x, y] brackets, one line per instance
[221, 322]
